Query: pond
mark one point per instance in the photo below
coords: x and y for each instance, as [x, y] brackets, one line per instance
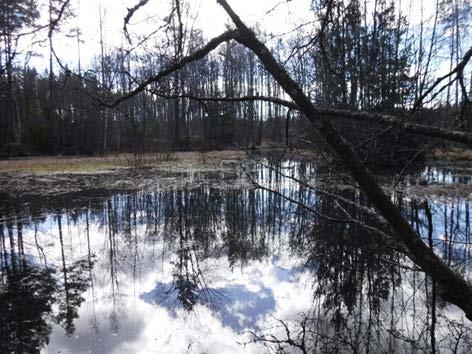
[219, 266]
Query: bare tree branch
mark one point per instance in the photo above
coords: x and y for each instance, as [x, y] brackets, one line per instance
[457, 70]
[129, 15]
[55, 22]
[198, 54]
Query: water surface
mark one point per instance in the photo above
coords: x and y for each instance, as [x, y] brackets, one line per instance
[222, 267]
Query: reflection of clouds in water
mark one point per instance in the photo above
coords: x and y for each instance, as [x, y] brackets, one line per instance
[288, 274]
[128, 264]
[88, 339]
[238, 266]
[245, 308]
[151, 329]
[242, 299]
[237, 306]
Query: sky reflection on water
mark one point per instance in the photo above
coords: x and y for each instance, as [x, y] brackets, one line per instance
[204, 269]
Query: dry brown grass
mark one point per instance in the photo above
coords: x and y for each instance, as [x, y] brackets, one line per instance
[452, 154]
[61, 164]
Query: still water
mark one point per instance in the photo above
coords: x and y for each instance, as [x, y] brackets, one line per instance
[222, 267]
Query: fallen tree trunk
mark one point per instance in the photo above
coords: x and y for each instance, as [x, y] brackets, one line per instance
[415, 128]
[378, 118]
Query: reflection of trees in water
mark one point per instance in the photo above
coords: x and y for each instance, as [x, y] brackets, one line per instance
[191, 224]
[26, 294]
[349, 260]
[355, 273]
[26, 298]
[204, 222]
[366, 295]
[247, 226]
[29, 289]
[74, 283]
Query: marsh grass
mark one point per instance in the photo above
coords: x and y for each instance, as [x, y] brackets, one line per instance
[60, 165]
[453, 154]
[98, 164]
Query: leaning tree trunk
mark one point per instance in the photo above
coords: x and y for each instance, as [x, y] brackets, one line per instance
[455, 289]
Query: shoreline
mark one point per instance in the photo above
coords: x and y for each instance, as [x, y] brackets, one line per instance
[61, 175]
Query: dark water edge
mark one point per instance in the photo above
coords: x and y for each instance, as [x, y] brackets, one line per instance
[218, 266]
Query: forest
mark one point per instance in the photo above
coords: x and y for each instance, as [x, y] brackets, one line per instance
[362, 59]
[287, 176]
